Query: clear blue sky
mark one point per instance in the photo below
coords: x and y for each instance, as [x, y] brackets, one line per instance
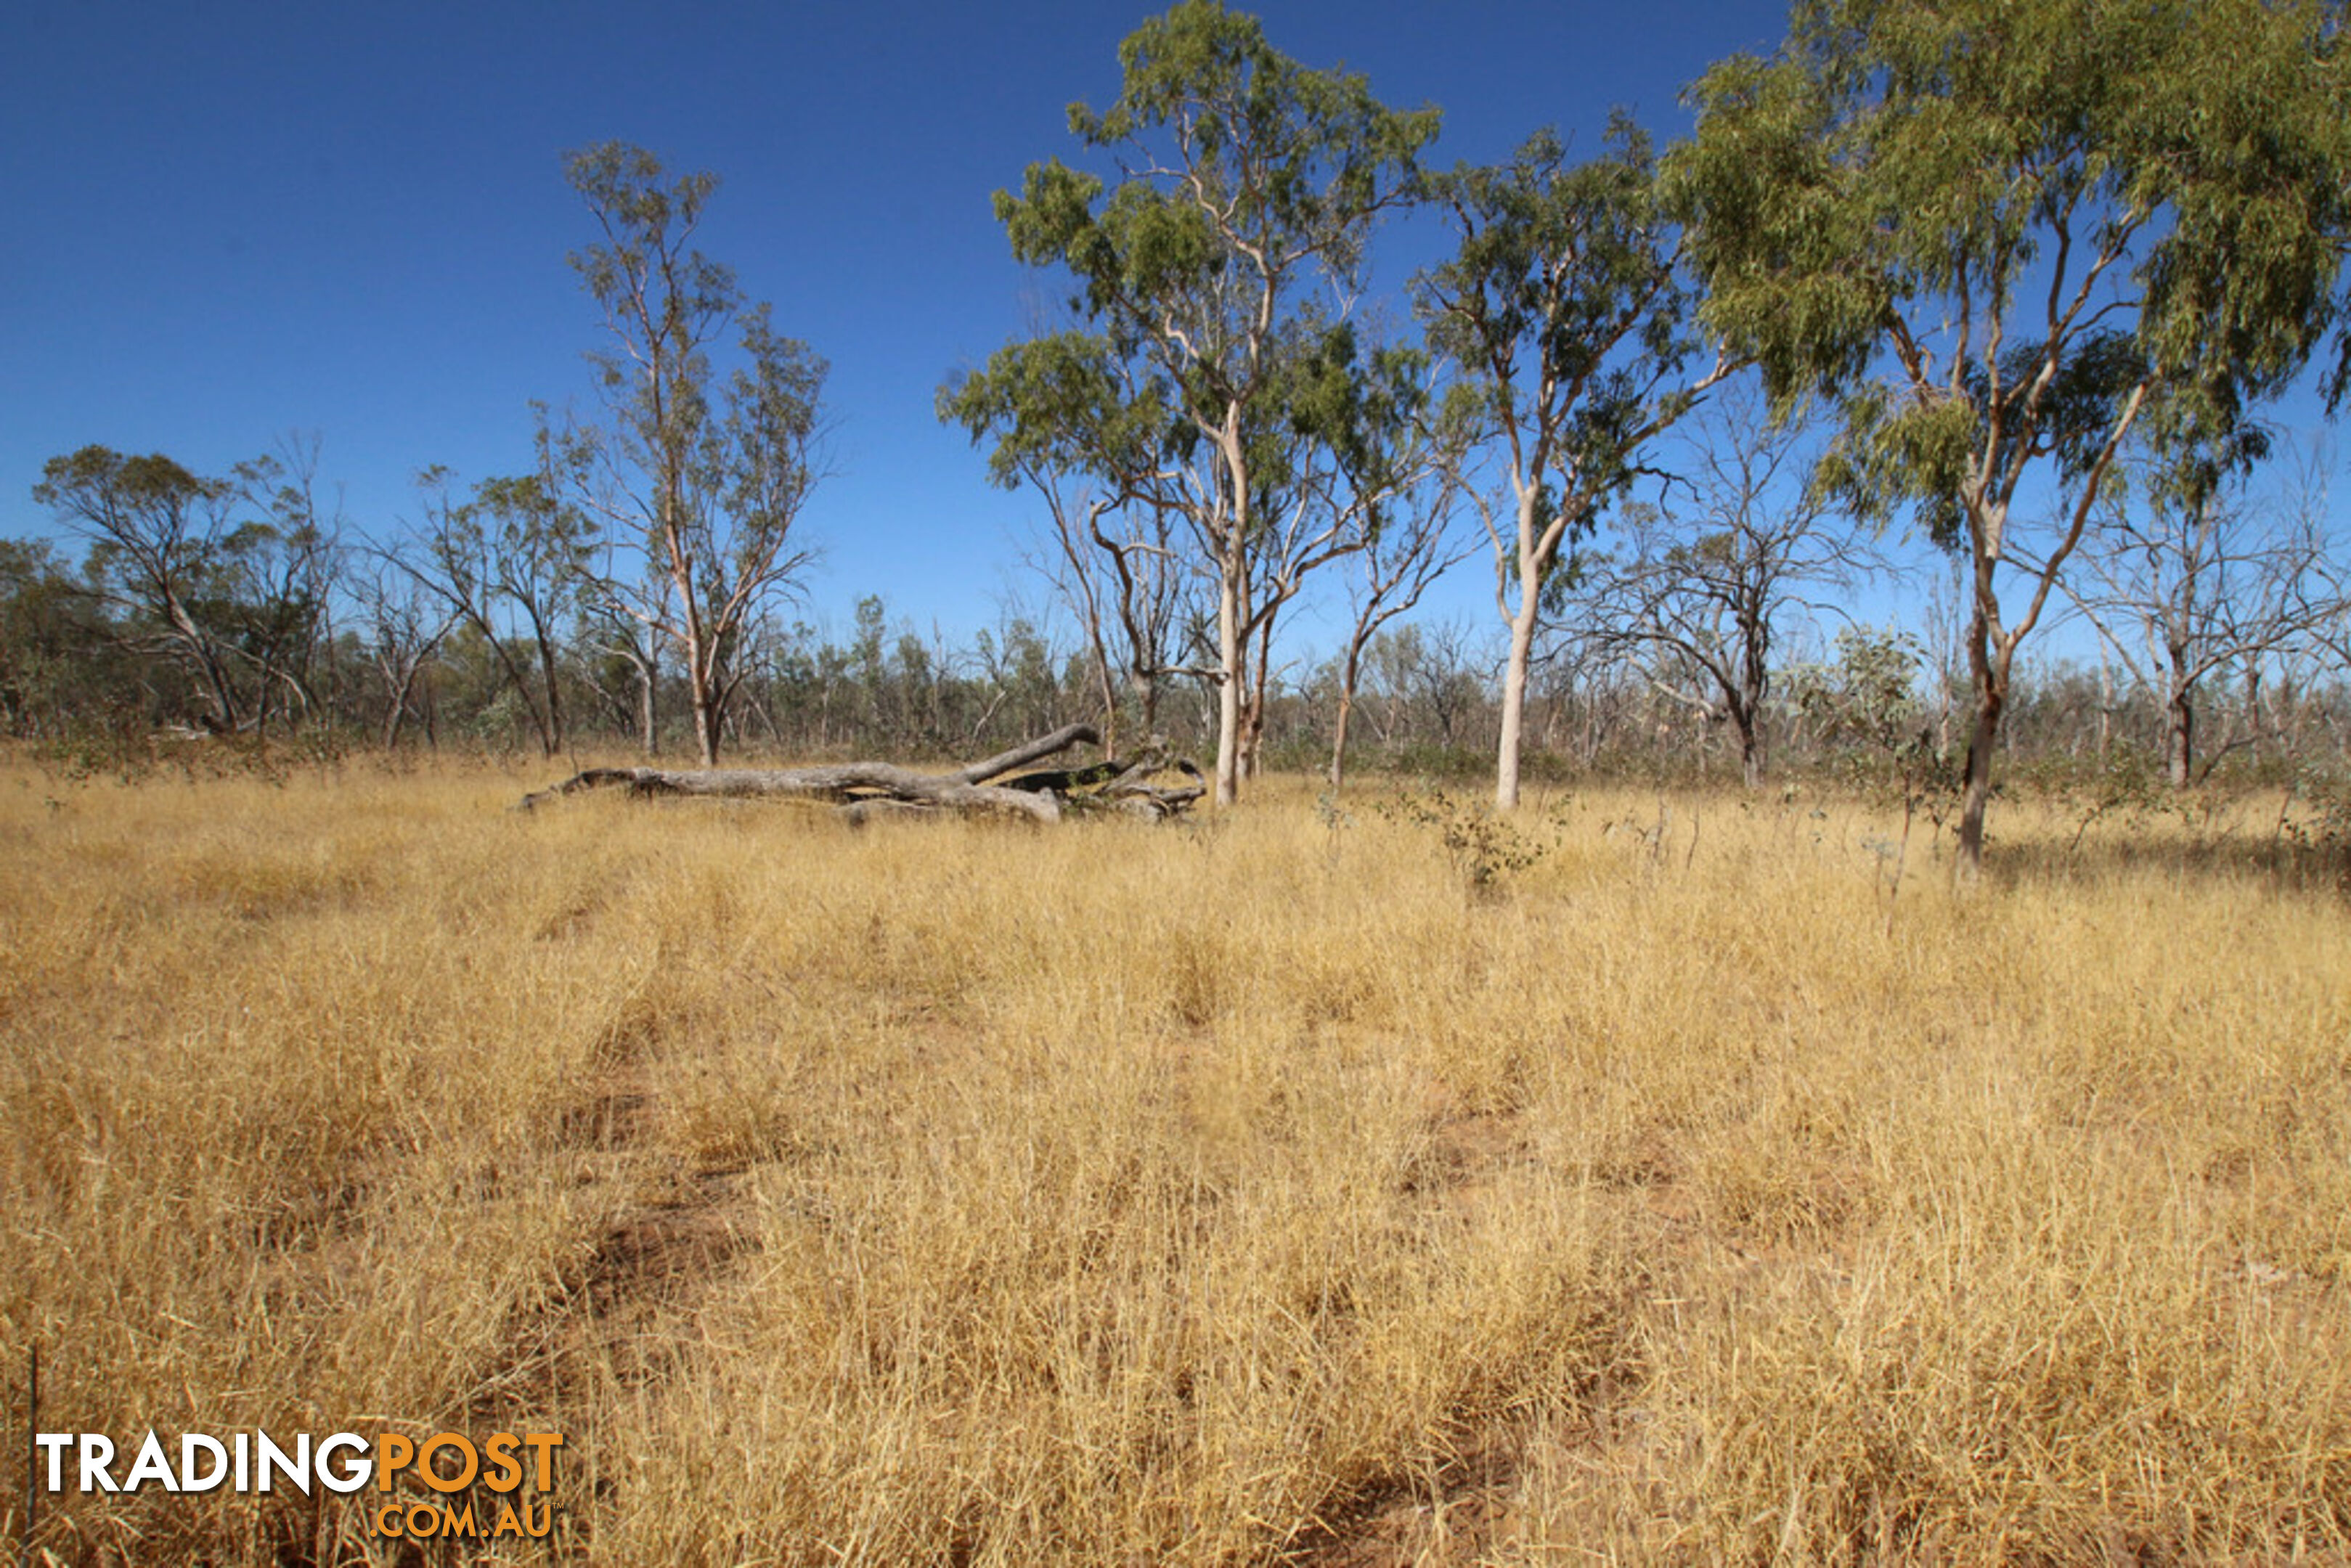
[229, 222]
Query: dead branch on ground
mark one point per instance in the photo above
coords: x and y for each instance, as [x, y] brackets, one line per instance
[865, 791]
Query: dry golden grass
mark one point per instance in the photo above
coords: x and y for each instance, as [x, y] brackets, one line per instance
[1260, 1190]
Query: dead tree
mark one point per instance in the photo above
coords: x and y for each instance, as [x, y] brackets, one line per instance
[863, 791]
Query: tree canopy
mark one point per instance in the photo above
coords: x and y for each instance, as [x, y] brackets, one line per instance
[1248, 190]
[2003, 235]
[2030, 283]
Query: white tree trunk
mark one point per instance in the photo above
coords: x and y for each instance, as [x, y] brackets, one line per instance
[1229, 690]
[1514, 703]
[1533, 552]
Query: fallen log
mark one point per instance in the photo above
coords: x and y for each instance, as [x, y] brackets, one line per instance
[863, 791]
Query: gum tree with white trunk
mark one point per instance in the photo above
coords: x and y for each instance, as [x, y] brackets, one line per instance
[1218, 268]
[1566, 311]
[2004, 237]
[708, 471]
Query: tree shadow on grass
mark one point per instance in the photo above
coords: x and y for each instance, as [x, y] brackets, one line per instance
[2287, 863]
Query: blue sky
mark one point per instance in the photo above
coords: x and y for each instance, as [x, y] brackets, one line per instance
[231, 221]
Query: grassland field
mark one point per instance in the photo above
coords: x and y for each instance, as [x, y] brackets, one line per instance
[1656, 1182]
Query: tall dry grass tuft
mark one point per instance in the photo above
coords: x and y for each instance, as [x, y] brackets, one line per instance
[1280, 1187]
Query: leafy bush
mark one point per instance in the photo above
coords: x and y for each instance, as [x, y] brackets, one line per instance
[1483, 847]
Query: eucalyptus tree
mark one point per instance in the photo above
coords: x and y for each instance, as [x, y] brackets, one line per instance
[1433, 679]
[1121, 572]
[2006, 234]
[514, 561]
[227, 579]
[1247, 190]
[276, 578]
[403, 621]
[2194, 576]
[1710, 573]
[540, 550]
[52, 663]
[1567, 311]
[1372, 457]
[1072, 421]
[710, 473]
[1402, 558]
[1018, 669]
[619, 629]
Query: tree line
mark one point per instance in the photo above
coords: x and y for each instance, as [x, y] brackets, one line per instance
[2027, 284]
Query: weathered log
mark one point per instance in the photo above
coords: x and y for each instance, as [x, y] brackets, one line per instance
[1064, 780]
[1133, 790]
[1060, 740]
[863, 791]
[844, 784]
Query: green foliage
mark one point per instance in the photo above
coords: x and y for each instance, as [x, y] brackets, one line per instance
[1204, 382]
[48, 637]
[1484, 848]
[155, 530]
[517, 541]
[1254, 172]
[2032, 210]
[712, 470]
[1565, 305]
[1268, 168]
[227, 579]
[2125, 783]
[1864, 708]
[729, 459]
[123, 747]
[1869, 695]
[2004, 234]
[2314, 825]
[1065, 402]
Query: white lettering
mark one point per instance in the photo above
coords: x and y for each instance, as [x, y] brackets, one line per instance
[151, 1465]
[55, 1442]
[294, 1467]
[190, 1442]
[97, 1453]
[354, 1475]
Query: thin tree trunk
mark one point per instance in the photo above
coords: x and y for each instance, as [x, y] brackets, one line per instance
[1253, 711]
[1147, 694]
[1514, 701]
[705, 710]
[2105, 707]
[547, 666]
[1109, 687]
[1229, 690]
[218, 689]
[1338, 737]
[1991, 697]
[393, 721]
[2179, 735]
